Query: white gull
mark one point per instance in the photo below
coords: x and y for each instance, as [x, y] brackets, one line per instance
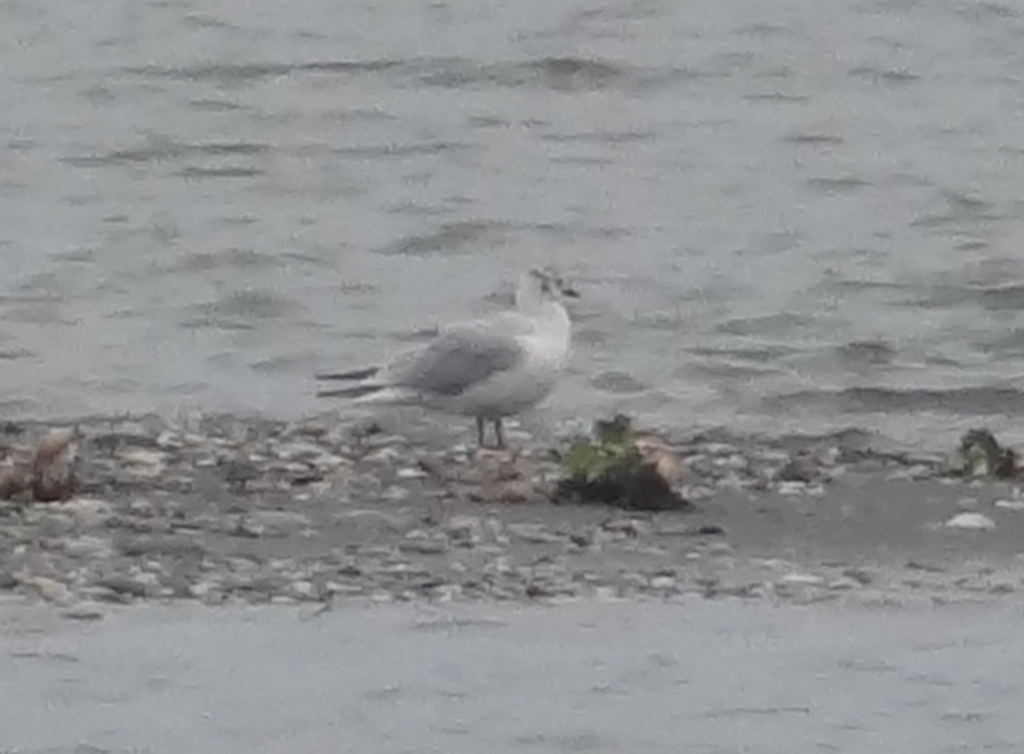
[486, 368]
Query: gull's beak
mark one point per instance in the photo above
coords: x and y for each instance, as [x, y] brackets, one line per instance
[570, 292]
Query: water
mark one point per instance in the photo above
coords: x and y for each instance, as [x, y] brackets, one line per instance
[703, 677]
[784, 215]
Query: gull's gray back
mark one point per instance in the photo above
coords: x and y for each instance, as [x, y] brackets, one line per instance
[459, 359]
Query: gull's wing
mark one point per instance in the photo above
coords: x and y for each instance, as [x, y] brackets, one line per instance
[458, 359]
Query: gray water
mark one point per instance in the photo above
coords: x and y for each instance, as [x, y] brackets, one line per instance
[699, 677]
[783, 215]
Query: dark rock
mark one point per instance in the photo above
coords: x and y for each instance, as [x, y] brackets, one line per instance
[122, 586]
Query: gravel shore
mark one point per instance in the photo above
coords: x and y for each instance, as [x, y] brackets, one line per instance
[257, 511]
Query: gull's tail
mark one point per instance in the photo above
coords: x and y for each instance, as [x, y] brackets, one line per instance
[355, 374]
[355, 391]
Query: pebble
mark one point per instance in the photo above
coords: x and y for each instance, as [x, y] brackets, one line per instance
[305, 590]
[792, 488]
[55, 524]
[628, 526]
[385, 455]
[168, 440]
[88, 547]
[464, 530]
[663, 582]
[278, 523]
[87, 512]
[423, 544]
[49, 589]
[143, 462]
[536, 533]
[1010, 505]
[85, 610]
[973, 521]
[178, 545]
[124, 585]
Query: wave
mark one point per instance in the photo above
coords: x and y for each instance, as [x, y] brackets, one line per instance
[968, 401]
[562, 73]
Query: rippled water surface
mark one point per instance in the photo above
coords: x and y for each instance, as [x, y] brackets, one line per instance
[704, 677]
[782, 214]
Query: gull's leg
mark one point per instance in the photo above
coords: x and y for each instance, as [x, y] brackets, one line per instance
[499, 432]
[480, 431]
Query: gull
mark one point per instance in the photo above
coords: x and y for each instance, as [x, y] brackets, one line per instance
[487, 368]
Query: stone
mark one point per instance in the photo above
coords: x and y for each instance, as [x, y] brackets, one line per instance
[128, 586]
[142, 462]
[88, 548]
[49, 589]
[971, 521]
[1010, 505]
[423, 544]
[87, 512]
[535, 533]
[663, 582]
[464, 530]
[85, 610]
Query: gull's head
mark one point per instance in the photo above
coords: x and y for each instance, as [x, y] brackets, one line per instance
[542, 285]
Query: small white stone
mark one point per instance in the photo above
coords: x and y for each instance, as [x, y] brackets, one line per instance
[792, 488]
[384, 455]
[49, 589]
[411, 473]
[142, 457]
[663, 582]
[1010, 505]
[305, 590]
[169, 440]
[607, 594]
[976, 521]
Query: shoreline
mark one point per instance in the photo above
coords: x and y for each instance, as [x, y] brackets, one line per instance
[255, 511]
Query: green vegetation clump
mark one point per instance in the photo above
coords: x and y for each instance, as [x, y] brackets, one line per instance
[614, 469]
[613, 452]
[981, 456]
